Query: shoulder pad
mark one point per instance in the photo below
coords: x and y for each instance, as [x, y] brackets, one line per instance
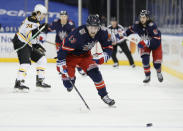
[82, 31]
[137, 22]
[56, 20]
[109, 26]
[71, 23]
[103, 28]
[151, 24]
[120, 26]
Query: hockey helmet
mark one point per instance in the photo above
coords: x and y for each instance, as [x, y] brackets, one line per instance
[145, 13]
[42, 9]
[93, 20]
[113, 19]
[63, 12]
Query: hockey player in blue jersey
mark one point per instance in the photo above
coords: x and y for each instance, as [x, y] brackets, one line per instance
[76, 50]
[63, 27]
[150, 42]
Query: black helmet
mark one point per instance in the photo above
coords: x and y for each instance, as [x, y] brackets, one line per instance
[63, 12]
[113, 19]
[93, 20]
[145, 13]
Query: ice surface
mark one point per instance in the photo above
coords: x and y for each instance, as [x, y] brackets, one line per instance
[57, 110]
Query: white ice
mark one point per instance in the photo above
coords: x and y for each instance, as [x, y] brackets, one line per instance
[57, 110]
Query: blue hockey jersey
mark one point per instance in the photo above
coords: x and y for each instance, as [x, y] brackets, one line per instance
[150, 32]
[62, 31]
[79, 42]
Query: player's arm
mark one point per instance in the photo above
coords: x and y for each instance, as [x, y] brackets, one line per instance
[52, 26]
[132, 29]
[72, 26]
[155, 37]
[106, 44]
[68, 45]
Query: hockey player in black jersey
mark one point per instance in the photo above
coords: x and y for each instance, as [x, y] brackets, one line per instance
[25, 43]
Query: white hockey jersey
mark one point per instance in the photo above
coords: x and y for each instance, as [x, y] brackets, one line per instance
[25, 32]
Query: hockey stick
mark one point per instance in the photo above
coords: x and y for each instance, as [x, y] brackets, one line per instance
[50, 42]
[78, 92]
[126, 38]
[35, 35]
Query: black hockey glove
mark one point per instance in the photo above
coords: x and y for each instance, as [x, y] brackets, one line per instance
[39, 48]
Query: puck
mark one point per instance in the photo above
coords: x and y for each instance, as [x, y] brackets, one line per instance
[148, 124]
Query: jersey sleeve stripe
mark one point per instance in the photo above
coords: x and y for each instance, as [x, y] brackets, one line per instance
[65, 47]
[110, 47]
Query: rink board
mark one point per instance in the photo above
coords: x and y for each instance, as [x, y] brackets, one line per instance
[172, 52]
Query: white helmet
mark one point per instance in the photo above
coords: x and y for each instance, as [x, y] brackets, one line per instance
[40, 8]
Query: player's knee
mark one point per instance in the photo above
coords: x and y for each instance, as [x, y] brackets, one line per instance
[157, 65]
[95, 74]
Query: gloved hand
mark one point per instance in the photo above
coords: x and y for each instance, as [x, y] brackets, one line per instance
[61, 67]
[144, 43]
[101, 58]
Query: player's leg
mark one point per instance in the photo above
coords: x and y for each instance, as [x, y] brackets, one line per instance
[89, 66]
[114, 58]
[41, 61]
[24, 60]
[80, 70]
[127, 52]
[157, 59]
[71, 62]
[145, 55]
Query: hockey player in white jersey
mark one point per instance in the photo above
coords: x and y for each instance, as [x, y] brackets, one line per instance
[25, 43]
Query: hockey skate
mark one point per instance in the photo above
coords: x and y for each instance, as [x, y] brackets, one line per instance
[133, 66]
[147, 79]
[40, 83]
[19, 86]
[108, 100]
[116, 65]
[160, 76]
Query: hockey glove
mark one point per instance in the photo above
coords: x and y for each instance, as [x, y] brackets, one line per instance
[61, 67]
[101, 58]
[144, 43]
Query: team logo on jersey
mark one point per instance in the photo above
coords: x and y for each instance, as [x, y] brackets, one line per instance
[155, 31]
[72, 39]
[89, 46]
[145, 37]
[62, 35]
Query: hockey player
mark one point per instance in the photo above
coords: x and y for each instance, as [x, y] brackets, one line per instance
[150, 41]
[28, 49]
[63, 27]
[76, 50]
[118, 30]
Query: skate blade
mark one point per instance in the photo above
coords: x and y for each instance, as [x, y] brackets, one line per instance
[113, 106]
[41, 89]
[146, 84]
[20, 90]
